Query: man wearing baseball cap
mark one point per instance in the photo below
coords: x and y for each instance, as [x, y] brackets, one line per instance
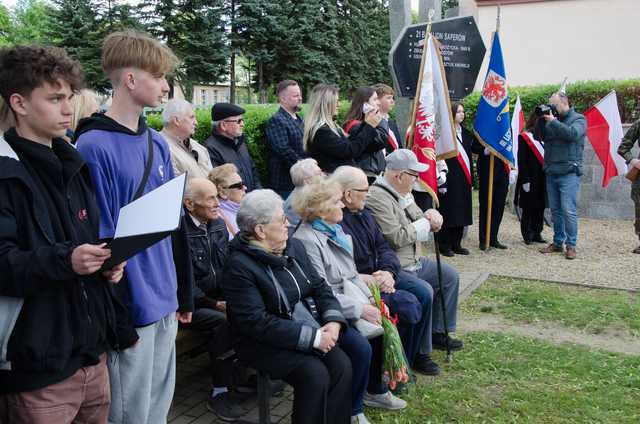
[227, 145]
[405, 226]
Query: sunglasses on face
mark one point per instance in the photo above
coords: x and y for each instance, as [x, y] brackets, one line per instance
[236, 186]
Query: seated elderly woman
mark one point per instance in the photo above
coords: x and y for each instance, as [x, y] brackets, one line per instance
[302, 172]
[231, 191]
[267, 283]
[330, 250]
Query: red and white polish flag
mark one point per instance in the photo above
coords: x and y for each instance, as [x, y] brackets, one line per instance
[604, 130]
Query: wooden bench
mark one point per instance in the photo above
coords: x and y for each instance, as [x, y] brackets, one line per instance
[192, 343]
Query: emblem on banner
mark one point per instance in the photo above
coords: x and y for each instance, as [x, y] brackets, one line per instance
[495, 89]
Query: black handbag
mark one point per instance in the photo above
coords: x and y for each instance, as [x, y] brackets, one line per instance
[300, 312]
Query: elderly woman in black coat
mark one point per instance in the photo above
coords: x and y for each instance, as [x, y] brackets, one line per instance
[264, 279]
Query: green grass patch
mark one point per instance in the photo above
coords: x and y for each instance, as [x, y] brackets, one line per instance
[512, 379]
[592, 310]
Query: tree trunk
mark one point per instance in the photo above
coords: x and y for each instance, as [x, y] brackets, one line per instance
[261, 88]
[232, 71]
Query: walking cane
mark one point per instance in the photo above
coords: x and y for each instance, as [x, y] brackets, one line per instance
[442, 303]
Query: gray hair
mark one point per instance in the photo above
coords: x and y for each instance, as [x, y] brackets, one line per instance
[347, 176]
[302, 171]
[175, 108]
[194, 187]
[257, 207]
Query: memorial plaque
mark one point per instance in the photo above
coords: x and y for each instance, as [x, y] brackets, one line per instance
[462, 53]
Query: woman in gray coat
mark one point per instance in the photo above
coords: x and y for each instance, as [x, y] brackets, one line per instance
[330, 251]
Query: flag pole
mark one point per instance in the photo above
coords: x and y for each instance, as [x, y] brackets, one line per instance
[489, 200]
[487, 235]
[416, 99]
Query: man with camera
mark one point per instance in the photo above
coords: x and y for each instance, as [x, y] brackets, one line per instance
[564, 137]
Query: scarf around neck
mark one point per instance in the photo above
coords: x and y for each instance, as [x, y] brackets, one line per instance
[334, 232]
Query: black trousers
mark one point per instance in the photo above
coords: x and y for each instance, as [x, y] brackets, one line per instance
[531, 223]
[214, 326]
[322, 389]
[423, 200]
[497, 210]
[450, 238]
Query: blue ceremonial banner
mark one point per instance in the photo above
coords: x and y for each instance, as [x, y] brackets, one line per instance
[492, 124]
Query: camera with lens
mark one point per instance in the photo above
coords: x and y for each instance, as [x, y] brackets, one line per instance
[546, 110]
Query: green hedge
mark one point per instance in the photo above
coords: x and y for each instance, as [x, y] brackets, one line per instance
[255, 120]
[582, 94]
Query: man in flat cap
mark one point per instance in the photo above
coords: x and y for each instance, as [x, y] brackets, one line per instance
[226, 143]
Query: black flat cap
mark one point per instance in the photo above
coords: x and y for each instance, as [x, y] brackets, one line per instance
[221, 111]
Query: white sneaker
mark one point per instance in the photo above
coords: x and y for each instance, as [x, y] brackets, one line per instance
[385, 401]
[359, 419]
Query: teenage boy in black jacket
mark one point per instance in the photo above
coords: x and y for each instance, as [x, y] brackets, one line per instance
[52, 286]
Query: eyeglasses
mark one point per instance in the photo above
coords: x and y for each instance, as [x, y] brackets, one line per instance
[361, 190]
[237, 121]
[411, 174]
[236, 186]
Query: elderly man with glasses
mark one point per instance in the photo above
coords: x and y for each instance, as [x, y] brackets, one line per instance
[226, 143]
[405, 226]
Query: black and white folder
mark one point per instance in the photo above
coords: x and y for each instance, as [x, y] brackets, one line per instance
[147, 220]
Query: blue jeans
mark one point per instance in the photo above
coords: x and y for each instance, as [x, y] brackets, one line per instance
[563, 199]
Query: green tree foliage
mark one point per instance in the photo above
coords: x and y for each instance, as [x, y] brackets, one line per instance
[75, 26]
[194, 30]
[364, 43]
[6, 25]
[30, 21]
[313, 41]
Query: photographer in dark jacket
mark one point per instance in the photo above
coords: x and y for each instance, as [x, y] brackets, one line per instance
[564, 138]
[50, 259]
[208, 243]
[325, 141]
[263, 282]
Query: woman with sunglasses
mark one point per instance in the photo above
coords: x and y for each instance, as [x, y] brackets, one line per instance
[326, 142]
[231, 191]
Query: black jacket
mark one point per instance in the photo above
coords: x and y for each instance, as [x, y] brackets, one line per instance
[47, 208]
[208, 254]
[332, 150]
[530, 171]
[225, 150]
[262, 330]
[372, 163]
[455, 205]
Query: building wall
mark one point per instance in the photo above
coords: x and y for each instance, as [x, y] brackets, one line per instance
[595, 201]
[207, 95]
[544, 41]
